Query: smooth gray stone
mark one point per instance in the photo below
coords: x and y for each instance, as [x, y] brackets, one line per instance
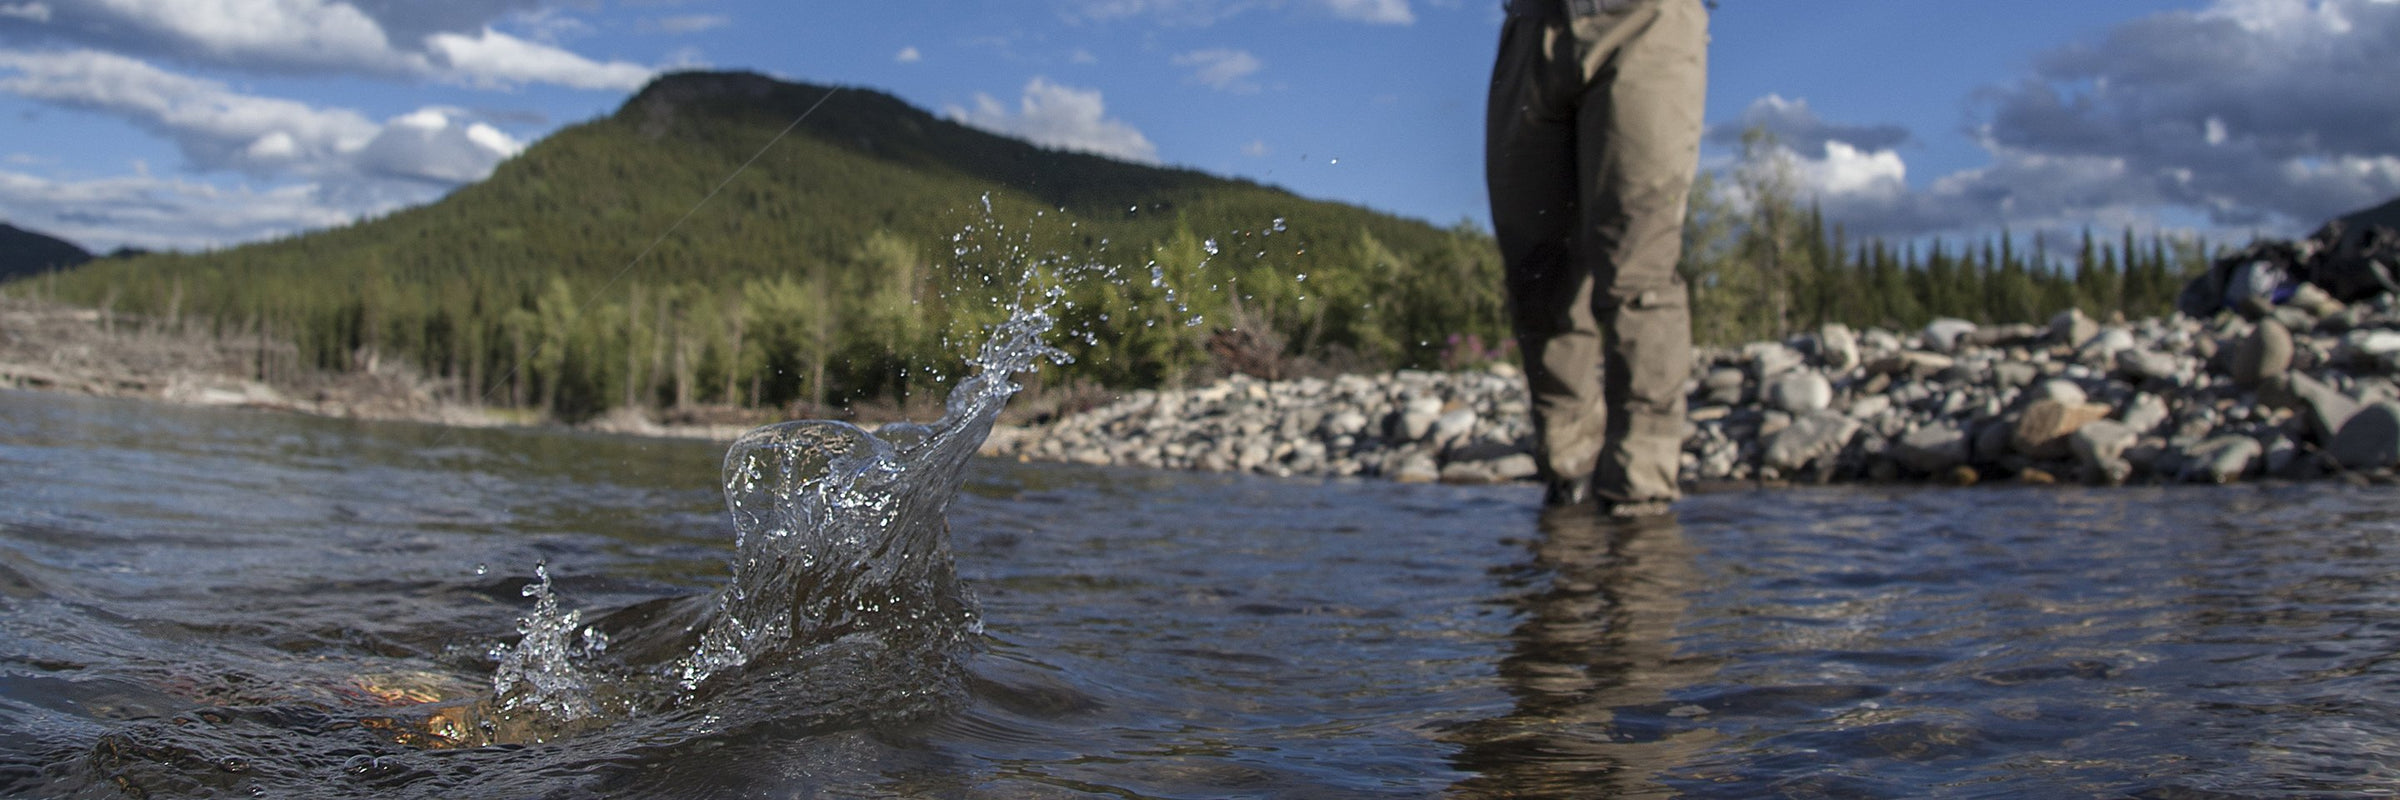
[2144, 413]
[1801, 392]
[1514, 467]
[1346, 422]
[1933, 449]
[1945, 334]
[2072, 328]
[2143, 365]
[2061, 390]
[1453, 426]
[2103, 441]
[2326, 408]
[2263, 355]
[1723, 386]
[2371, 437]
[1769, 359]
[1807, 439]
[2015, 374]
[1837, 347]
[2222, 459]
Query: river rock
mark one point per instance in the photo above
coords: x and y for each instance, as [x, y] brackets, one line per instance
[1801, 392]
[1453, 427]
[1809, 438]
[1771, 359]
[1933, 449]
[2147, 365]
[2015, 374]
[1417, 468]
[1417, 417]
[2263, 355]
[2072, 328]
[1944, 334]
[2060, 390]
[2370, 439]
[1723, 386]
[1912, 364]
[2100, 448]
[2042, 432]
[2222, 459]
[2145, 412]
[1837, 347]
[2325, 408]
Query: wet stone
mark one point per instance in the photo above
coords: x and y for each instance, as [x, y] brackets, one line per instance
[2370, 439]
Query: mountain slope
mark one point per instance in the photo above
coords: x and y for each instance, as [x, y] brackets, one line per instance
[24, 253]
[546, 271]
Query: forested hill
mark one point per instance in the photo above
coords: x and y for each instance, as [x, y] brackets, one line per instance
[819, 273]
[24, 252]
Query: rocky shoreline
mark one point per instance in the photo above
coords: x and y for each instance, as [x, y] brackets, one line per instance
[2306, 390]
[2303, 391]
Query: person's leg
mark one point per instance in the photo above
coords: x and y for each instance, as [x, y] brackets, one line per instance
[1647, 68]
[1530, 151]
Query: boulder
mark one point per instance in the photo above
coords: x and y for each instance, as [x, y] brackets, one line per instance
[1819, 435]
[2222, 459]
[2100, 448]
[2043, 430]
[2263, 355]
[1837, 347]
[1801, 392]
[1945, 334]
[2370, 439]
[1933, 449]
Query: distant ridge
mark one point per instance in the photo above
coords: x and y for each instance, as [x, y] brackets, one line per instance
[24, 253]
[667, 255]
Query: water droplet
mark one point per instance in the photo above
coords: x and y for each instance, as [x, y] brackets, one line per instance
[483, 569]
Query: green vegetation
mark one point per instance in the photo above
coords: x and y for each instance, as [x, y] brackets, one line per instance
[834, 270]
[1772, 266]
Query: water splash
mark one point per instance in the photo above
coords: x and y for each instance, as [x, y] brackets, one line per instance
[842, 548]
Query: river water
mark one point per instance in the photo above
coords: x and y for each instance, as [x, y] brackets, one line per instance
[207, 603]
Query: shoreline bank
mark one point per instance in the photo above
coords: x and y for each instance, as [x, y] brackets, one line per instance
[2305, 392]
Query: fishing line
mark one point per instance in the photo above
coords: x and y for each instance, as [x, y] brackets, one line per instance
[594, 299]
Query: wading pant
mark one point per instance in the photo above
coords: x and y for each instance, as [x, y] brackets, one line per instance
[1593, 133]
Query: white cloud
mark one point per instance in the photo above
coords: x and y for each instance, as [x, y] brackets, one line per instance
[1257, 148]
[1846, 170]
[908, 55]
[1381, 12]
[2254, 112]
[215, 127]
[493, 58]
[453, 40]
[1223, 69]
[218, 129]
[1082, 56]
[294, 33]
[162, 214]
[1061, 117]
[36, 12]
[2252, 115]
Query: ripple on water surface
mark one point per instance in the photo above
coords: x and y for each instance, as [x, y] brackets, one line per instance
[267, 619]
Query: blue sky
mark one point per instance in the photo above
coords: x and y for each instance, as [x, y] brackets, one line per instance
[191, 124]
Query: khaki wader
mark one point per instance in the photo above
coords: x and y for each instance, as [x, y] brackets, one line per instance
[1593, 136]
